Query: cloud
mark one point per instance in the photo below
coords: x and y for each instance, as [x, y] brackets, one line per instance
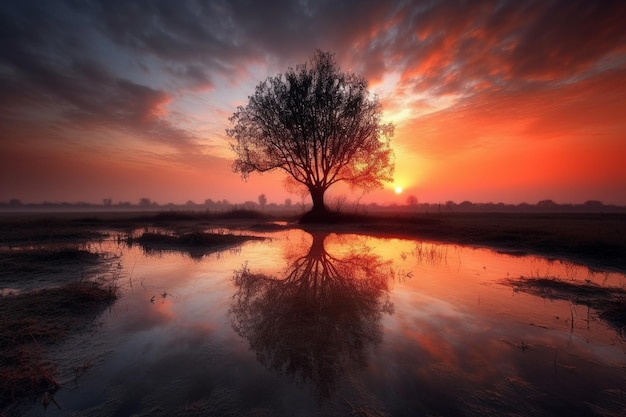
[460, 47]
[441, 47]
[69, 59]
[49, 76]
[83, 95]
[586, 109]
[193, 76]
[111, 73]
[454, 46]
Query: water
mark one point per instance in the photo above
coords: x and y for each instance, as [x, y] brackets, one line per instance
[311, 324]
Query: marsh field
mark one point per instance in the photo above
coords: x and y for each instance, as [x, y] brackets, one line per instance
[243, 314]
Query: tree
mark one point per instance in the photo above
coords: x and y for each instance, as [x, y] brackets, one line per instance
[593, 204]
[548, 204]
[262, 200]
[319, 125]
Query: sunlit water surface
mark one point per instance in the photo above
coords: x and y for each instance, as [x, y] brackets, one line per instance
[303, 325]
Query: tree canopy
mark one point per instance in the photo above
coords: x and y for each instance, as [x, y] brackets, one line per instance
[318, 124]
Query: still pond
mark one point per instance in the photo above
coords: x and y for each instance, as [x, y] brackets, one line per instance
[320, 324]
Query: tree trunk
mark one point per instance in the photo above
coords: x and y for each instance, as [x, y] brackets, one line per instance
[317, 195]
[317, 252]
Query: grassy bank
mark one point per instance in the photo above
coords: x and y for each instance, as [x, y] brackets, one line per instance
[51, 285]
[596, 239]
[31, 321]
[607, 301]
[195, 244]
[593, 239]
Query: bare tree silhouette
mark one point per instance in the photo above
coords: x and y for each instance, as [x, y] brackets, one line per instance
[317, 124]
[318, 322]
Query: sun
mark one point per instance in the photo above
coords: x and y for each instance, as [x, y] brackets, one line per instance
[398, 190]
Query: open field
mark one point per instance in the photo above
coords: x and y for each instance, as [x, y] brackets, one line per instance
[591, 239]
[594, 239]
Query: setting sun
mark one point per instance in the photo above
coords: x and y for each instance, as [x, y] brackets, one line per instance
[398, 190]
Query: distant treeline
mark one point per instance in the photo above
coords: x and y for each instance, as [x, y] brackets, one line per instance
[543, 206]
[146, 204]
[339, 204]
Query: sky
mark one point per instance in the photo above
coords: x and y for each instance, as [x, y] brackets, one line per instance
[493, 101]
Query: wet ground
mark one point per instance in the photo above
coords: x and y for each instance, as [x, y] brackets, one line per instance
[301, 323]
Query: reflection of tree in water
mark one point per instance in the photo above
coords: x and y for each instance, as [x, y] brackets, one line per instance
[318, 322]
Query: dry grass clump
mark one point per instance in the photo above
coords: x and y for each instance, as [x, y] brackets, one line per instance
[33, 268]
[191, 239]
[195, 243]
[46, 230]
[33, 319]
[608, 301]
[34, 258]
[206, 215]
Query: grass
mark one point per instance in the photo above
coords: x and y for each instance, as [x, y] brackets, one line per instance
[595, 239]
[62, 254]
[27, 268]
[25, 258]
[37, 230]
[610, 302]
[33, 319]
[174, 216]
[592, 239]
[194, 243]
[44, 270]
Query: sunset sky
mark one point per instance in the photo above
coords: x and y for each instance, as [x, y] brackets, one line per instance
[493, 101]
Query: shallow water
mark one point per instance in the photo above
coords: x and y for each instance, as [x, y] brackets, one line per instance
[302, 324]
